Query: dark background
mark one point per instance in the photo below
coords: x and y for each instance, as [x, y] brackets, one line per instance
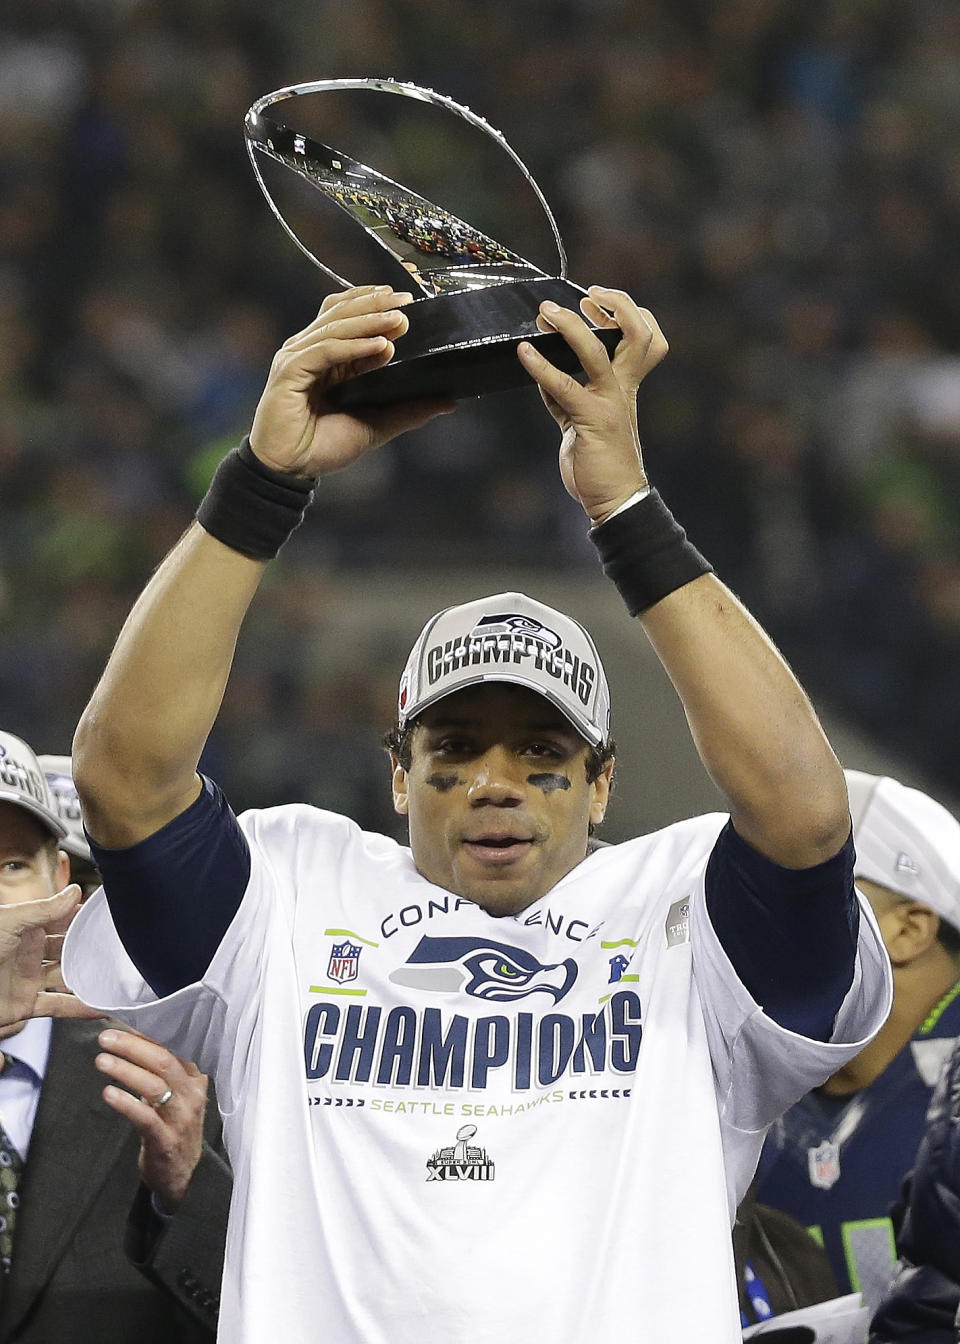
[780, 184]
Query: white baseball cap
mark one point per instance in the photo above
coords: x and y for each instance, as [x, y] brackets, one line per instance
[906, 841]
[23, 782]
[58, 771]
[509, 637]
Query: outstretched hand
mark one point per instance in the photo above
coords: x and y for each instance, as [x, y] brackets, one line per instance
[31, 937]
[600, 459]
[295, 429]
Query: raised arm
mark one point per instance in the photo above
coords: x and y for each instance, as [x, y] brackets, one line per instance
[753, 726]
[139, 741]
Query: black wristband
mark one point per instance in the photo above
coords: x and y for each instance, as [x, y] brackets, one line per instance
[645, 551]
[250, 507]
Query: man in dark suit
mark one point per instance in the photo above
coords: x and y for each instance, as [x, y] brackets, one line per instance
[71, 1278]
[98, 1254]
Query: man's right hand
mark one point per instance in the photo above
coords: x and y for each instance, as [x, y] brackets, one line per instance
[295, 429]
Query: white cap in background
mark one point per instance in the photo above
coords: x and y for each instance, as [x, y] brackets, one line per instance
[906, 841]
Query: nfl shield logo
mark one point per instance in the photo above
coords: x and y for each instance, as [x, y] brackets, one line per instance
[824, 1165]
[343, 962]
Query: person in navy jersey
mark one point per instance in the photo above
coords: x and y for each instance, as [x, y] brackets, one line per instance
[836, 1160]
[921, 1304]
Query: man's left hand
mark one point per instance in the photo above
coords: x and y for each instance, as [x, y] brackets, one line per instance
[166, 1105]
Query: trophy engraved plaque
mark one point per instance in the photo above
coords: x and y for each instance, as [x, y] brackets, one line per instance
[479, 298]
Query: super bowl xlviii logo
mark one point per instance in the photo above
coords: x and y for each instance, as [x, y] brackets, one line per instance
[462, 1161]
[344, 959]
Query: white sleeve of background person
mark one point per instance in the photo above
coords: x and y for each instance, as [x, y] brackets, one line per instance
[445, 1126]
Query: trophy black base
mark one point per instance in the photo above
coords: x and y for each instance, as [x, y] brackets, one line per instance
[465, 344]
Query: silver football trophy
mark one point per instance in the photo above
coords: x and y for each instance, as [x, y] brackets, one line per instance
[479, 297]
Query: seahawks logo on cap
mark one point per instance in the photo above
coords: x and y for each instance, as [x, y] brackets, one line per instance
[513, 624]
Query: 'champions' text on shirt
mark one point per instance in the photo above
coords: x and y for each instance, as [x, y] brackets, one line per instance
[404, 1047]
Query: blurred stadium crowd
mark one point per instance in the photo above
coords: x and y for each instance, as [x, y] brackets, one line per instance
[779, 183]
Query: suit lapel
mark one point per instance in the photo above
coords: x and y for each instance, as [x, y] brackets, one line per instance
[76, 1140]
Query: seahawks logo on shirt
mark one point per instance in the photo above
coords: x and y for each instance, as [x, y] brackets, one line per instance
[486, 970]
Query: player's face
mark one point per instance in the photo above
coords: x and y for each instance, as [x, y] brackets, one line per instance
[497, 796]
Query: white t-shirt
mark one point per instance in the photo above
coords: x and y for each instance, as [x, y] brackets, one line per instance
[447, 1128]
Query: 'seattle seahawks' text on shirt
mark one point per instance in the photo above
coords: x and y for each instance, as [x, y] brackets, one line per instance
[446, 1126]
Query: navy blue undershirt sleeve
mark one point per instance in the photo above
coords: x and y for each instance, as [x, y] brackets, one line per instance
[173, 896]
[790, 933]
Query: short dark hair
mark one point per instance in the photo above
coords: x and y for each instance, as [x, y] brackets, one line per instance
[399, 741]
